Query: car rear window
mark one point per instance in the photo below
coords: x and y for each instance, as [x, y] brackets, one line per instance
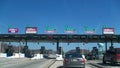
[68, 56]
[73, 55]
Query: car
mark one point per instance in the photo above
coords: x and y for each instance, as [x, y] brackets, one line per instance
[52, 56]
[73, 60]
[112, 56]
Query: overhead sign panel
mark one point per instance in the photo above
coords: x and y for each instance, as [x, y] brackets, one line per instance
[69, 30]
[31, 30]
[50, 30]
[12, 30]
[89, 30]
[108, 30]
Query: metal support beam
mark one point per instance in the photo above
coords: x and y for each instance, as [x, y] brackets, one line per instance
[57, 46]
[105, 46]
[19, 48]
[0, 48]
[25, 43]
[111, 43]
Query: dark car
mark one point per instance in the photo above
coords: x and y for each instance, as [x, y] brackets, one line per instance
[112, 56]
[73, 60]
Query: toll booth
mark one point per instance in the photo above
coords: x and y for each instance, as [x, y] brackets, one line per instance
[42, 50]
[9, 51]
[78, 49]
[60, 50]
[95, 53]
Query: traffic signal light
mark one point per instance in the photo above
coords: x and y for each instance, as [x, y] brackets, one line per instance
[49, 37]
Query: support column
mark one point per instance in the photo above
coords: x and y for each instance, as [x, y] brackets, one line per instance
[82, 49]
[111, 47]
[0, 48]
[57, 47]
[111, 43]
[105, 46]
[25, 43]
[19, 48]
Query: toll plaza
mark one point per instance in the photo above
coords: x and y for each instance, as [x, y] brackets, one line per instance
[67, 38]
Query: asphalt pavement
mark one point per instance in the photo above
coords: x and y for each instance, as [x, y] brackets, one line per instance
[89, 64]
[59, 64]
[48, 63]
[99, 64]
[42, 63]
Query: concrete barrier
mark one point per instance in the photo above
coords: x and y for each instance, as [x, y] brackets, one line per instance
[59, 57]
[41, 56]
[17, 55]
[3, 55]
[37, 56]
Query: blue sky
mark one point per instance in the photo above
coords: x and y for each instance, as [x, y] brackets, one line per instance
[58, 14]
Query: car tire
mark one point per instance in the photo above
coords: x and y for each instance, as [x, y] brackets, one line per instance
[104, 62]
[64, 67]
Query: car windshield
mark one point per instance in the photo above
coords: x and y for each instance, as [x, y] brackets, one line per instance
[73, 55]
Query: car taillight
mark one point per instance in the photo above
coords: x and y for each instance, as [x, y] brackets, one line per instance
[82, 60]
[66, 60]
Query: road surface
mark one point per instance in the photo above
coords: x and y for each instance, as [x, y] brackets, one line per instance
[42, 63]
[47, 63]
[95, 64]
[59, 64]
[100, 64]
